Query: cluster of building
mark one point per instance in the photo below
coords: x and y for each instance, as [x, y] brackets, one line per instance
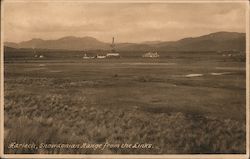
[108, 55]
[114, 54]
[117, 55]
[39, 56]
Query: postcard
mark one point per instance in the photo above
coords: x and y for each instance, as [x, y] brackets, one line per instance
[124, 79]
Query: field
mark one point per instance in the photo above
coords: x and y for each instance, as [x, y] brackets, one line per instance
[180, 103]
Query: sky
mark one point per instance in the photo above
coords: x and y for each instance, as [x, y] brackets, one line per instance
[127, 22]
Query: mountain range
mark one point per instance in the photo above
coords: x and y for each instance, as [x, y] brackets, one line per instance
[218, 41]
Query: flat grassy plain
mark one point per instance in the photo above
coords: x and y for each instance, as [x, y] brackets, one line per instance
[127, 100]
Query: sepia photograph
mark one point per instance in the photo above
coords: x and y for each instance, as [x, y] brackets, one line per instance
[124, 78]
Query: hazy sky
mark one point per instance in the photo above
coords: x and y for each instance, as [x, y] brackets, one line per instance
[127, 22]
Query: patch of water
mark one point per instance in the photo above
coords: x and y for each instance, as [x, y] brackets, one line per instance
[41, 65]
[230, 68]
[219, 74]
[55, 71]
[35, 69]
[144, 63]
[194, 75]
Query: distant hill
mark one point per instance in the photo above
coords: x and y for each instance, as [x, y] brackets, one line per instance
[11, 45]
[218, 41]
[65, 43]
[211, 42]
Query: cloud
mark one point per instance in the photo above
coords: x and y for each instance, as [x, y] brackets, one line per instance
[131, 22]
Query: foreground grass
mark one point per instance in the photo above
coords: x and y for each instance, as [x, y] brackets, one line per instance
[58, 118]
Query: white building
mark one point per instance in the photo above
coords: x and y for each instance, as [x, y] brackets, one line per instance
[151, 55]
[41, 56]
[113, 55]
[87, 57]
[101, 56]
